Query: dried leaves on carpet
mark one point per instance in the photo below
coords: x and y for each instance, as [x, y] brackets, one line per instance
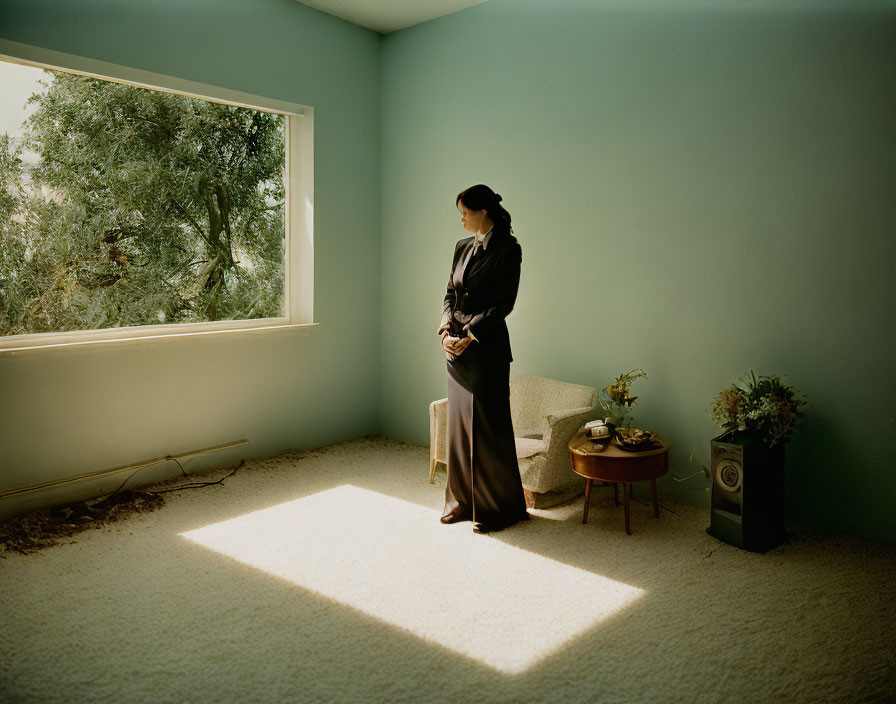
[33, 531]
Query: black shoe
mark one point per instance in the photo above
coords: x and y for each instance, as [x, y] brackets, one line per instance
[455, 518]
[480, 527]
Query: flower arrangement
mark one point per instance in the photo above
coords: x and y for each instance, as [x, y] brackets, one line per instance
[763, 405]
[616, 401]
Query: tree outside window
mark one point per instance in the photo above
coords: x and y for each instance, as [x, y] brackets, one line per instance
[141, 207]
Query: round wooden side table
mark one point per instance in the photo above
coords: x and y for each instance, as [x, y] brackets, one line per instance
[614, 464]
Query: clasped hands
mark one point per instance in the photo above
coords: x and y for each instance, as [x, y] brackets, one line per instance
[453, 346]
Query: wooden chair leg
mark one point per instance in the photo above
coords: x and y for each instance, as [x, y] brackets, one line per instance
[432, 471]
[626, 490]
[656, 503]
[616, 494]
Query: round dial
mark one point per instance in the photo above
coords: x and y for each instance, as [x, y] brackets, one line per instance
[729, 474]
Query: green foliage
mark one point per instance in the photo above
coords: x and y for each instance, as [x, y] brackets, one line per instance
[616, 401]
[12, 241]
[763, 405]
[145, 207]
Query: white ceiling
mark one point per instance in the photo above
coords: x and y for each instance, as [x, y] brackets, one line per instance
[386, 16]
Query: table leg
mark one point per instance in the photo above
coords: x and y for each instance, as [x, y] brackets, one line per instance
[626, 490]
[656, 503]
[587, 499]
[616, 493]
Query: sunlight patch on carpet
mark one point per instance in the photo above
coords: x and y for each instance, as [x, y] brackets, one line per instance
[391, 559]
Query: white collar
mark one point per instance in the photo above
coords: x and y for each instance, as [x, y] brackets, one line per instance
[483, 239]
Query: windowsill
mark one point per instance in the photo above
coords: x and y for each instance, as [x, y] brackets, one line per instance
[10, 345]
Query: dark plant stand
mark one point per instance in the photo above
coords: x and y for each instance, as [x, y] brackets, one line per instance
[750, 515]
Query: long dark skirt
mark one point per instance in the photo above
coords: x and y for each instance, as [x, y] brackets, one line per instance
[483, 475]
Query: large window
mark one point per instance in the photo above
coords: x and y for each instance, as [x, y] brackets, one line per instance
[142, 211]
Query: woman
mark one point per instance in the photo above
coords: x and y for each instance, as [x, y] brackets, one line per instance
[483, 475]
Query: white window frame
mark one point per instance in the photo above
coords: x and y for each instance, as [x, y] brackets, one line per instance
[299, 177]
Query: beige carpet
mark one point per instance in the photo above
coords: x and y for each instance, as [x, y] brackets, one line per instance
[325, 576]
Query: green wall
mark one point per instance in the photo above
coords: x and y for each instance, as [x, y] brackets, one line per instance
[697, 192]
[78, 410]
[716, 181]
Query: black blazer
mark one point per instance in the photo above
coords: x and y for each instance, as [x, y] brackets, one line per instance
[480, 297]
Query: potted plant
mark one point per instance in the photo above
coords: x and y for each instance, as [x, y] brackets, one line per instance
[616, 402]
[763, 407]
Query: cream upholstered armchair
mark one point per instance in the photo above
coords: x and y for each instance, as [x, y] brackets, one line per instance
[546, 414]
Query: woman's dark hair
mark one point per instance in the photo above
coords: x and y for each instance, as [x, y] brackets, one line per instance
[481, 197]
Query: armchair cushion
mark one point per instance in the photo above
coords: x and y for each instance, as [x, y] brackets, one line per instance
[534, 433]
[529, 447]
